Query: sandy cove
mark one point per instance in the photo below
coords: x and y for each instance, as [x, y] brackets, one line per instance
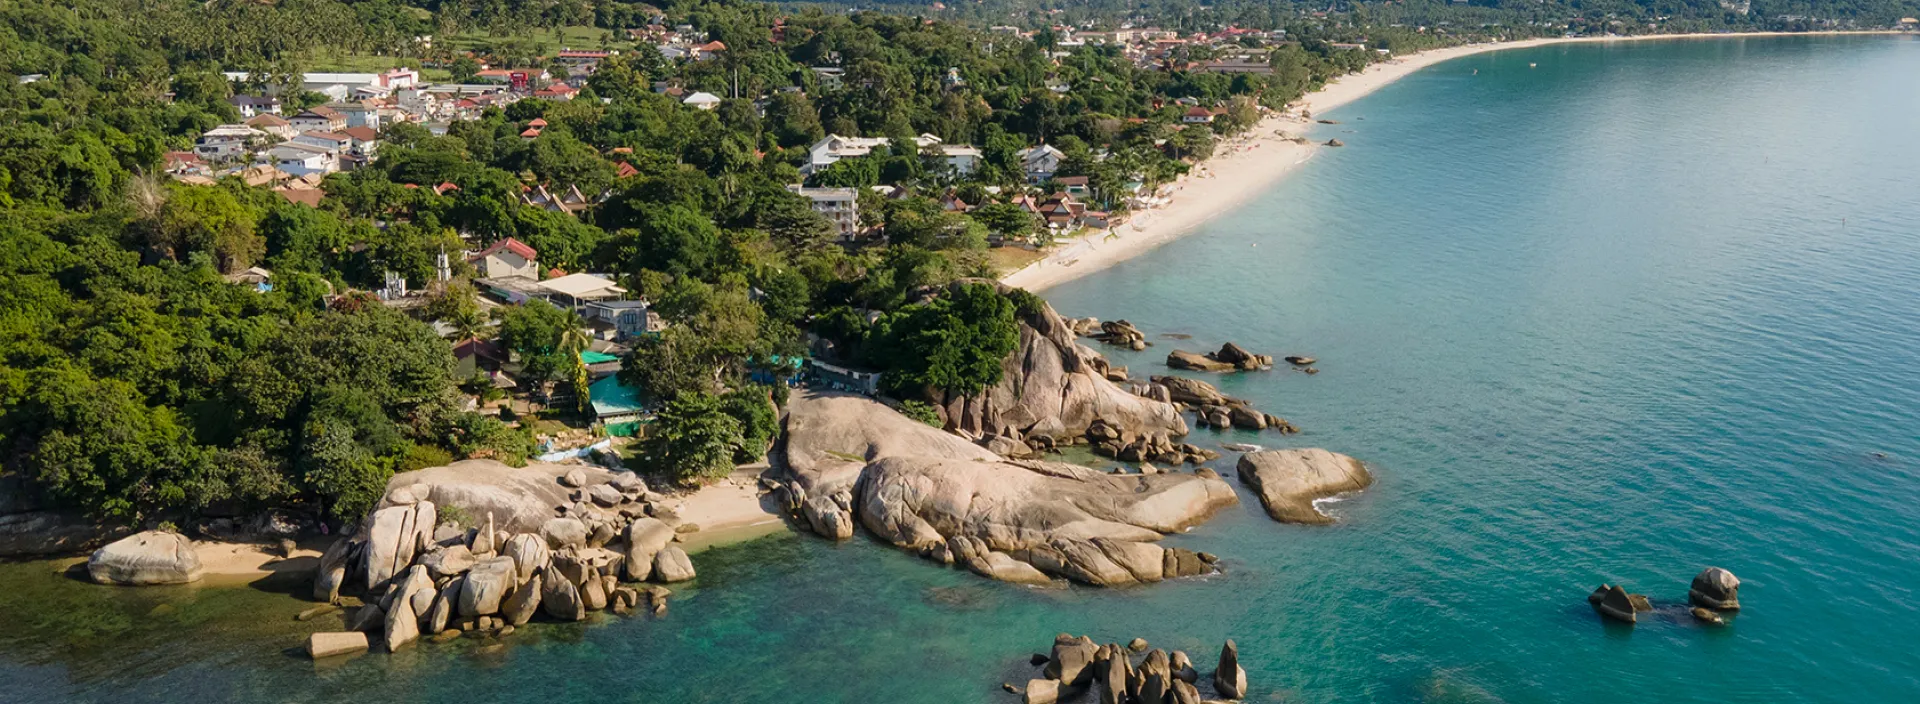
[1246, 166]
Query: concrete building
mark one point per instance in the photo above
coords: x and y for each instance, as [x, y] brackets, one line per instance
[840, 205]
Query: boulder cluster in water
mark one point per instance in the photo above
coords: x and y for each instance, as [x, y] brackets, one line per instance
[1714, 590]
[421, 578]
[1211, 408]
[1077, 665]
[1230, 357]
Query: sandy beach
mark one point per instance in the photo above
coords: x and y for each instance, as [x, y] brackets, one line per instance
[1247, 165]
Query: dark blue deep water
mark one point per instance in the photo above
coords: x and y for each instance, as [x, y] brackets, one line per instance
[1636, 310]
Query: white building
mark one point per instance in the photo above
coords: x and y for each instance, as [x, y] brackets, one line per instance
[1040, 162]
[332, 142]
[227, 142]
[254, 105]
[703, 100]
[298, 159]
[507, 257]
[840, 205]
[963, 158]
[833, 147]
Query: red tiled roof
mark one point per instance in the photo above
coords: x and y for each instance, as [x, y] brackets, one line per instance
[510, 244]
[537, 122]
[444, 187]
[362, 134]
[625, 170]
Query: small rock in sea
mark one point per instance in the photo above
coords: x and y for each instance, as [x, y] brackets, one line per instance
[1707, 616]
[1209, 558]
[1009, 687]
[1300, 360]
[1138, 645]
[1311, 370]
[446, 635]
[1715, 588]
[1037, 660]
[1612, 601]
[1335, 143]
[1229, 679]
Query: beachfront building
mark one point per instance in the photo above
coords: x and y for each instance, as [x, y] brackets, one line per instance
[840, 205]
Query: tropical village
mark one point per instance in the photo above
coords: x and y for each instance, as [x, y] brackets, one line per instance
[488, 316]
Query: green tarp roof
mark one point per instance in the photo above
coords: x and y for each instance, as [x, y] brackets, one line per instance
[612, 398]
[592, 357]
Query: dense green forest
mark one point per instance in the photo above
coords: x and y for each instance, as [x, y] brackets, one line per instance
[137, 384]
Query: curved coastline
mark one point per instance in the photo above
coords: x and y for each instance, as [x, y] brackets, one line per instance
[1246, 166]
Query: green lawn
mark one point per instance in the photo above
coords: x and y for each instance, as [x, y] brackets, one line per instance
[545, 41]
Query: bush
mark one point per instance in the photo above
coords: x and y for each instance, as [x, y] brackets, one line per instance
[759, 421]
[693, 437]
[921, 411]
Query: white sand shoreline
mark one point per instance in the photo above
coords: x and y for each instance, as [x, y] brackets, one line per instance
[1246, 166]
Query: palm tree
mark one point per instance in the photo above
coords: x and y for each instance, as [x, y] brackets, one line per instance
[573, 343]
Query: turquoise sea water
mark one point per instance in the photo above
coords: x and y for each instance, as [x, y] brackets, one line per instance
[1635, 310]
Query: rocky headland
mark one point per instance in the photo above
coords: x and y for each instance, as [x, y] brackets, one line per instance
[970, 493]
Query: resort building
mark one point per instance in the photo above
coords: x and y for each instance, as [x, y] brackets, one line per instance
[840, 205]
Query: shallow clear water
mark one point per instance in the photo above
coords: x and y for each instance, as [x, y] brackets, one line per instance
[1630, 312]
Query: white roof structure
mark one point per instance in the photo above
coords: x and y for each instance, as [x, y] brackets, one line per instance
[583, 287]
[702, 100]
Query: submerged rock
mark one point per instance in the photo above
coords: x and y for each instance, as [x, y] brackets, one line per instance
[1707, 616]
[326, 645]
[152, 557]
[1289, 481]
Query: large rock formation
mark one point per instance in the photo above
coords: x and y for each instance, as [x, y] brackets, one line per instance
[153, 557]
[1053, 387]
[394, 535]
[1289, 481]
[936, 494]
[519, 499]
